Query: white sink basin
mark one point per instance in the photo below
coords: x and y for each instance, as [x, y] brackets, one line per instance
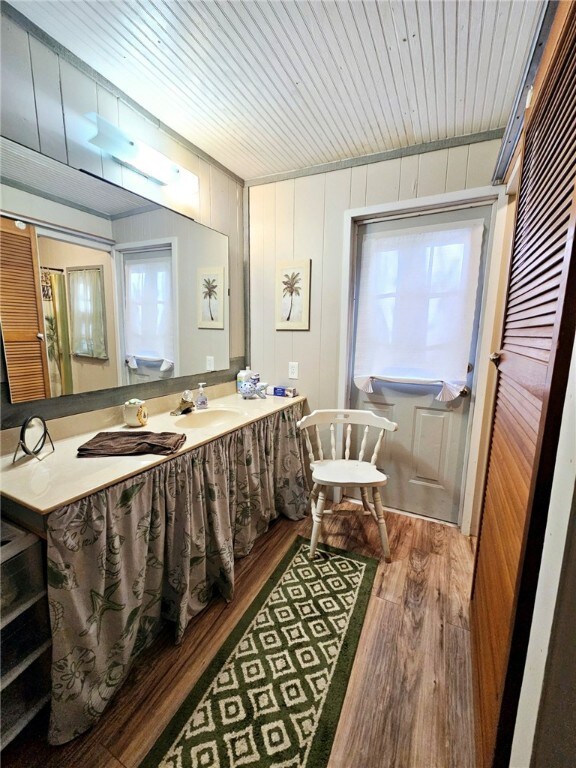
[211, 417]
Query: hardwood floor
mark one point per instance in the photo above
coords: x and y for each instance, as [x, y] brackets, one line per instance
[409, 700]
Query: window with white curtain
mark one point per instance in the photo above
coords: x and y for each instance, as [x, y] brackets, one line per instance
[416, 301]
[87, 312]
[148, 305]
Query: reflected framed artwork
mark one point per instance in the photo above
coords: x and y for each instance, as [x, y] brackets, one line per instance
[293, 296]
[210, 296]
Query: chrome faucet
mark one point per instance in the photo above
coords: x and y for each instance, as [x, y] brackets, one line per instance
[186, 403]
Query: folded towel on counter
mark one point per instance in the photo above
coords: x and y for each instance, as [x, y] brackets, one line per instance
[131, 444]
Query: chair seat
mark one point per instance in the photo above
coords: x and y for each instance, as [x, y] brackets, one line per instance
[346, 473]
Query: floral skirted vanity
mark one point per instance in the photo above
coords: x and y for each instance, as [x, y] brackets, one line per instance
[132, 540]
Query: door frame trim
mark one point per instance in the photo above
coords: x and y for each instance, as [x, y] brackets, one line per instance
[489, 331]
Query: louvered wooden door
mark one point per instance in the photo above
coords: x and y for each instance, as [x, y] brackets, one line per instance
[21, 314]
[533, 371]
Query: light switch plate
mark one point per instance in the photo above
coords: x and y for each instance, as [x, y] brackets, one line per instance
[209, 362]
[292, 370]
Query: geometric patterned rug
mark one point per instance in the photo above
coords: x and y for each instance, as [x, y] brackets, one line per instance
[272, 695]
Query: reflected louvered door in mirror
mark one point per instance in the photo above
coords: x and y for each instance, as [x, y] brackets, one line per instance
[533, 370]
[21, 313]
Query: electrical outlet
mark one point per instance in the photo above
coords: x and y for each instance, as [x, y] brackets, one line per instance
[292, 370]
[209, 362]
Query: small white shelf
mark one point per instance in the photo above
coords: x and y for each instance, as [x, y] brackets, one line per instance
[23, 721]
[9, 677]
[8, 617]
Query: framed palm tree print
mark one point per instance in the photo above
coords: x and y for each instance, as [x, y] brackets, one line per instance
[293, 296]
[210, 297]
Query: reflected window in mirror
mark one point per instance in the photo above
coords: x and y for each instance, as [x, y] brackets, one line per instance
[87, 312]
[149, 313]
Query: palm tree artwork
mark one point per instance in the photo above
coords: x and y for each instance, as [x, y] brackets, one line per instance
[210, 291]
[291, 289]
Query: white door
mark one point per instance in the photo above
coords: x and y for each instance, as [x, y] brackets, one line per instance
[418, 296]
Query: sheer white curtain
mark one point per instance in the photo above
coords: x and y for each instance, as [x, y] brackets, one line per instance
[149, 327]
[87, 314]
[416, 299]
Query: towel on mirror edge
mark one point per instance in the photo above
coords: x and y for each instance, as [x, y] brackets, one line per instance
[123, 444]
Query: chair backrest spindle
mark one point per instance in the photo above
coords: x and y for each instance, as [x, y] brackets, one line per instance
[363, 445]
[348, 439]
[332, 442]
[319, 444]
[309, 447]
[377, 447]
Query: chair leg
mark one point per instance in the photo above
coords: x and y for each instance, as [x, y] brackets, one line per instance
[318, 500]
[365, 503]
[381, 524]
[313, 497]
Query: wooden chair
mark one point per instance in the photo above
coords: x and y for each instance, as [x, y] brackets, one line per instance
[348, 472]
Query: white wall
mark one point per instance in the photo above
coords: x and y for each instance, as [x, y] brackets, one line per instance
[43, 103]
[303, 218]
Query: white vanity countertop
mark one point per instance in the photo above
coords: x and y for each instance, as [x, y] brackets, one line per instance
[61, 477]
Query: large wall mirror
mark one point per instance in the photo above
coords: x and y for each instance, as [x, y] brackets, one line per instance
[125, 290]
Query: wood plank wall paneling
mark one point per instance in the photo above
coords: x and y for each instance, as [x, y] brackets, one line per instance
[309, 212]
[17, 105]
[45, 66]
[533, 372]
[282, 238]
[304, 218]
[43, 104]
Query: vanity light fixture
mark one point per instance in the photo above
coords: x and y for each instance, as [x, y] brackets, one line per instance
[133, 153]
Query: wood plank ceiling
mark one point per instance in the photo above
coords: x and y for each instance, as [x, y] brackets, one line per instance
[267, 87]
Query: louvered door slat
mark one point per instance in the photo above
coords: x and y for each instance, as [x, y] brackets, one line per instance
[549, 265]
[540, 294]
[540, 332]
[524, 422]
[559, 115]
[536, 306]
[533, 370]
[549, 211]
[543, 344]
[21, 314]
[535, 354]
[541, 320]
[531, 253]
[541, 282]
[552, 105]
[531, 278]
[558, 164]
[535, 343]
[545, 241]
[524, 402]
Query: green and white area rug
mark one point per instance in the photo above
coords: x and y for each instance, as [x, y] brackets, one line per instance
[272, 696]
